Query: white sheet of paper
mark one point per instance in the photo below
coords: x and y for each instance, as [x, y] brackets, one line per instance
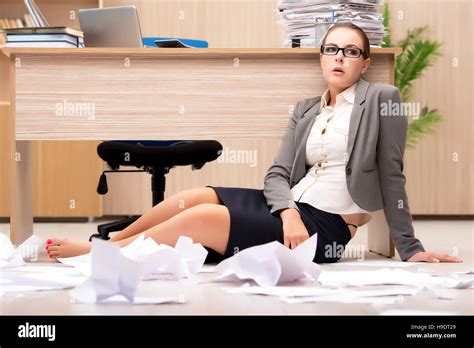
[9, 256]
[112, 274]
[313, 292]
[82, 263]
[145, 300]
[271, 264]
[343, 299]
[386, 276]
[182, 261]
[378, 263]
[31, 248]
[14, 261]
[208, 269]
[21, 282]
[159, 261]
[55, 270]
[6, 247]
[414, 312]
[464, 273]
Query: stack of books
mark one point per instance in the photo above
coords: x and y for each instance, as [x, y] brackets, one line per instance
[306, 21]
[62, 37]
[34, 31]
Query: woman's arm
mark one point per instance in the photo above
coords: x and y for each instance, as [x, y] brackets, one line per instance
[276, 189]
[390, 150]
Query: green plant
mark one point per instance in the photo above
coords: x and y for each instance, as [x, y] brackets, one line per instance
[418, 54]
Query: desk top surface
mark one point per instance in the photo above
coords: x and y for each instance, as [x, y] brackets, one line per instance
[180, 52]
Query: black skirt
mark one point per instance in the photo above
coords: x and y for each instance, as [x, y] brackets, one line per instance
[252, 224]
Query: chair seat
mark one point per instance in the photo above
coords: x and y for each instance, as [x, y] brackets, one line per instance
[151, 153]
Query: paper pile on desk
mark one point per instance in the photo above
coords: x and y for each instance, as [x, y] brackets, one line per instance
[299, 19]
[272, 263]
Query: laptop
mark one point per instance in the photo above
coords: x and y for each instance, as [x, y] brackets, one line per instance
[111, 27]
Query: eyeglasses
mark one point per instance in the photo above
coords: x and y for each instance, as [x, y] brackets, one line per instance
[349, 52]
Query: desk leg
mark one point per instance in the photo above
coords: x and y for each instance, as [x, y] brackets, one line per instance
[21, 220]
[378, 238]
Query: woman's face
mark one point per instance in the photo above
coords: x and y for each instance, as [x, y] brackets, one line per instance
[341, 72]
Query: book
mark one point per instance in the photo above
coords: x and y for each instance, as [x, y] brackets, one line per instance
[44, 37]
[45, 30]
[43, 44]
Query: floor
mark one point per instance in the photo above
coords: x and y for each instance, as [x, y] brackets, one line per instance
[210, 298]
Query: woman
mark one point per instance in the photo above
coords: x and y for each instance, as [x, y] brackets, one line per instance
[333, 168]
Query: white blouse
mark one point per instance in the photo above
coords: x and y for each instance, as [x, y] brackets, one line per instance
[324, 186]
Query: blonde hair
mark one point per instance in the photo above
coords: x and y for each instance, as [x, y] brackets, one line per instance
[362, 34]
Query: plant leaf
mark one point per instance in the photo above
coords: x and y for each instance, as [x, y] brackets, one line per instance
[422, 126]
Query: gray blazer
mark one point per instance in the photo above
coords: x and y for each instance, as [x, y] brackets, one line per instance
[374, 170]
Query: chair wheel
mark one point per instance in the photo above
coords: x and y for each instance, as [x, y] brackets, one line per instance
[98, 235]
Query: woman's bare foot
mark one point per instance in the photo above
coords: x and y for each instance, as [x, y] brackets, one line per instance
[64, 247]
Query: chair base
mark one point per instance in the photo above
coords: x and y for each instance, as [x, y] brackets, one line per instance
[113, 226]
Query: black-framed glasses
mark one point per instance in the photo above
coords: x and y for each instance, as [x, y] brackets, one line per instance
[349, 52]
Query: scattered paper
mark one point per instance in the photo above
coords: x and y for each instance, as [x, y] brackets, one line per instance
[81, 263]
[414, 312]
[54, 270]
[344, 299]
[464, 273]
[378, 263]
[442, 294]
[159, 261]
[22, 282]
[9, 256]
[208, 269]
[388, 276]
[116, 271]
[282, 291]
[271, 264]
[31, 248]
[182, 261]
[319, 294]
[112, 274]
[145, 300]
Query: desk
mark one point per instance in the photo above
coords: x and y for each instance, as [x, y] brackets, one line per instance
[106, 94]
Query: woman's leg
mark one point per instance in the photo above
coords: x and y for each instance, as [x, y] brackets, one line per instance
[167, 209]
[208, 224]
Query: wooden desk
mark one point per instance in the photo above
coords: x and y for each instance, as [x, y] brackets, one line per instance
[161, 94]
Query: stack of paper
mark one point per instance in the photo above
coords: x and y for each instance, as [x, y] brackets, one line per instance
[308, 20]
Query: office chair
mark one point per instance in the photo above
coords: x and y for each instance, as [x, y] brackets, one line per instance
[155, 158]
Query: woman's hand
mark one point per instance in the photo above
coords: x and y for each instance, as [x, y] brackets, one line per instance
[426, 256]
[294, 230]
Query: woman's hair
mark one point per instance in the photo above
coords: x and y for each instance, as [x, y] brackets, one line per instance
[349, 25]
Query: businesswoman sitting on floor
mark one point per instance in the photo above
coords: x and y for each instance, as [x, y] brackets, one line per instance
[340, 159]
